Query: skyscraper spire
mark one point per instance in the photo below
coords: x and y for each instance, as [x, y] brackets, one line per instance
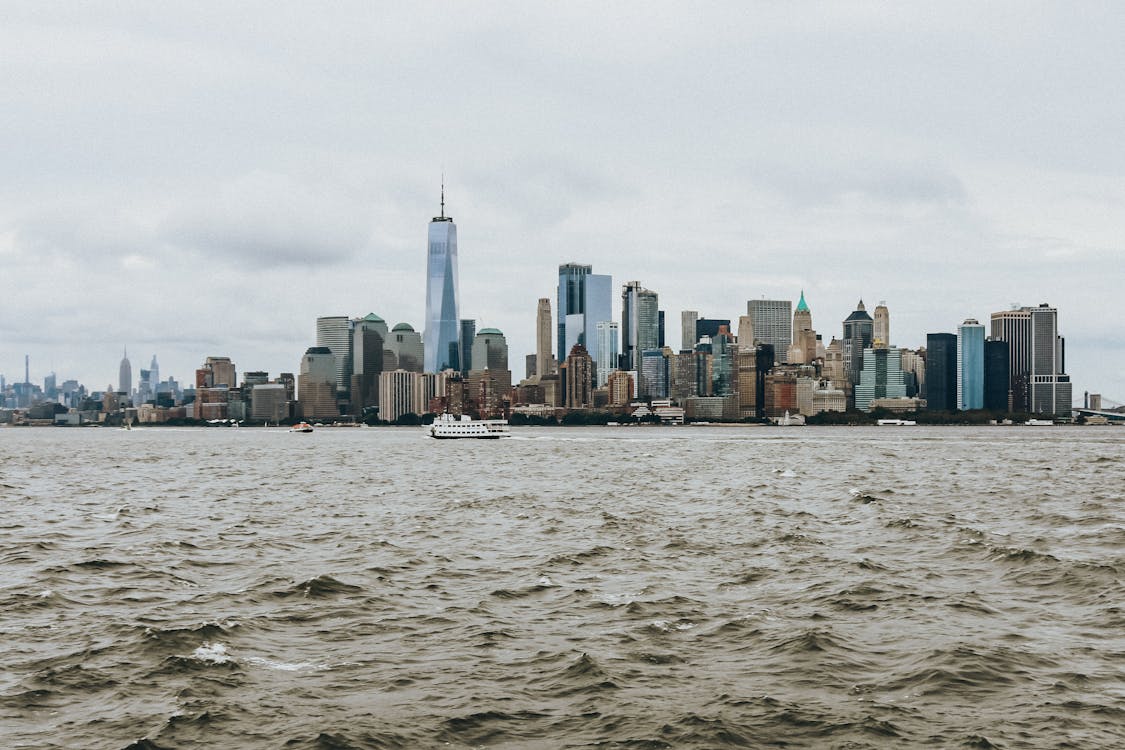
[443, 195]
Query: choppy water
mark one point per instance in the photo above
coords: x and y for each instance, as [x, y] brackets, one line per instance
[567, 588]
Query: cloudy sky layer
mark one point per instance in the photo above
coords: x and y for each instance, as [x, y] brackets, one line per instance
[207, 180]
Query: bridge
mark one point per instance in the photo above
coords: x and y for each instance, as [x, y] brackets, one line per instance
[1100, 406]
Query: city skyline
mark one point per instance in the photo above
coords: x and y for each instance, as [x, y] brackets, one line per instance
[170, 209]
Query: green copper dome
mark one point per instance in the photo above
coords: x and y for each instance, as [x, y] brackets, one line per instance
[403, 327]
[373, 318]
[802, 306]
[490, 332]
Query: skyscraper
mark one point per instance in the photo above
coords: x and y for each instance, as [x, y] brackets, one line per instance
[881, 331]
[154, 376]
[543, 338]
[124, 374]
[688, 338]
[468, 333]
[490, 350]
[335, 333]
[941, 372]
[997, 375]
[1039, 382]
[585, 299]
[881, 377]
[640, 324]
[316, 384]
[441, 332]
[369, 342]
[605, 350]
[803, 349]
[859, 333]
[772, 320]
[970, 365]
[404, 349]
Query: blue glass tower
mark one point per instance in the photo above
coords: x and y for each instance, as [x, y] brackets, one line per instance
[970, 365]
[441, 337]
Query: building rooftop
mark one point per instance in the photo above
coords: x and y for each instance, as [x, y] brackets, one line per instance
[802, 306]
[403, 327]
[373, 318]
[490, 332]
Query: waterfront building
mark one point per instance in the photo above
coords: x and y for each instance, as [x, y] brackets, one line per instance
[622, 388]
[579, 378]
[772, 321]
[335, 333]
[584, 300]
[268, 403]
[543, 337]
[859, 333]
[441, 333]
[490, 350]
[605, 350]
[654, 373]
[491, 391]
[746, 379]
[881, 377]
[688, 335]
[723, 379]
[124, 374]
[369, 344]
[941, 372]
[881, 328]
[997, 375]
[429, 388]
[404, 349]
[970, 365]
[316, 384]
[914, 368]
[1049, 385]
[396, 394]
[640, 324]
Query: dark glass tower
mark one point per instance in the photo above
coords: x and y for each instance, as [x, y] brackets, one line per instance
[997, 375]
[941, 372]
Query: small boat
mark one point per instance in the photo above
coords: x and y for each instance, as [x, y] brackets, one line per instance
[448, 426]
[301, 427]
[896, 422]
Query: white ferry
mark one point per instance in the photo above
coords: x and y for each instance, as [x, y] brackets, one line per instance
[896, 422]
[448, 426]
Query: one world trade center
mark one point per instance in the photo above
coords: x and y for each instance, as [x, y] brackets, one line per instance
[441, 335]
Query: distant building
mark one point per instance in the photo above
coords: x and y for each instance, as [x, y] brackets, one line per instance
[803, 349]
[334, 332]
[269, 403]
[881, 329]
[579, 378]
[543, 338]
[772, 321]
[859, 333]
[396, 394]
[125, 375]
[442, 334]
[688, 336]
[404, 350]
[605, 350]
[584, 300]
[881, 377]
[490, 350]
[316, 384]
[941, 372]
[997, 375]
[640, 324]
[970, 365]
[369, 345]
[654, 374]
[621, 388]
[709, 327]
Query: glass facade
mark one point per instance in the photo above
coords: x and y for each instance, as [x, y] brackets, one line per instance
[970, 365]
[441, 336]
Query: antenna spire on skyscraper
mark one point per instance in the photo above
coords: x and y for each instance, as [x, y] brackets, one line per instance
[443, 195]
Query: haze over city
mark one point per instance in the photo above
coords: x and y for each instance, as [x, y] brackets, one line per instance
[192, 182]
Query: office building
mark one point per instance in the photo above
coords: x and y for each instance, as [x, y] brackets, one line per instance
[335, 333]
[941, 372]
[468, 333]
[543, 337]
[124, 374]
[316, 384]
[997, 375]
[584, 300]
[441, 333]
[404, 349]
[605, 350]
[490, 350]
[881, 377]
[1049, 386]
[640, 324]
[709, 327]
[772, 323]
[369, 344]
[970, 365]
[688, 337]
[859, 333]
[803, 348]
[654, 373]
[579, 378]
[268, 403]
[881, 329]
[396, 394]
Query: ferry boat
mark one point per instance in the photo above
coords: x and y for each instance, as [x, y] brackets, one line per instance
[896, 422]
[448, 426]
[301, 427]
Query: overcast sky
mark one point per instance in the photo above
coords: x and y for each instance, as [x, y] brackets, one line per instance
[208, 179]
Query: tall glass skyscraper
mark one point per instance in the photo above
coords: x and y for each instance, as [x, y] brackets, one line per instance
[640, 323]
[441, 337]
[585, 299]
[970, 365]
